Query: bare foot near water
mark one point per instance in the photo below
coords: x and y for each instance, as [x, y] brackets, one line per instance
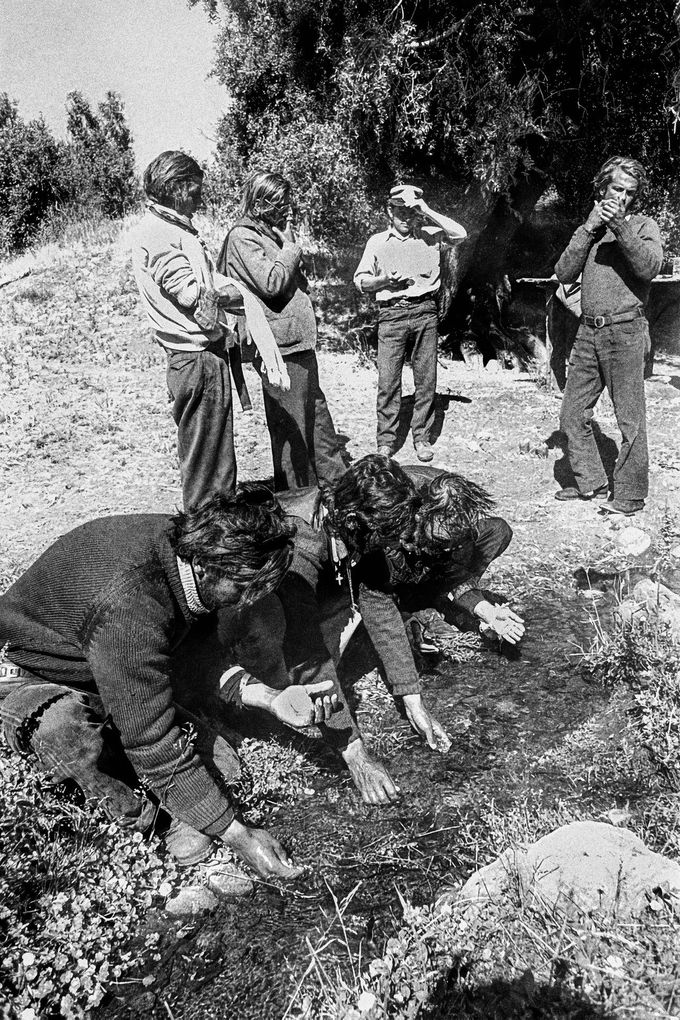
[370, 776]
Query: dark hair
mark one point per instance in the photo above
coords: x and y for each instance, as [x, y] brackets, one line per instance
[262, 193]
[627, 165]
[373, 504]
[245, 536]
[166, 171]
[450, 511]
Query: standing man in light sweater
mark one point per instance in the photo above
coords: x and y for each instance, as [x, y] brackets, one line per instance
[618, 252]
[401, 266]
[186, 304]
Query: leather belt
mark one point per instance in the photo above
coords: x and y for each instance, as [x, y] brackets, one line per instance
[610, 320]
[404, 302]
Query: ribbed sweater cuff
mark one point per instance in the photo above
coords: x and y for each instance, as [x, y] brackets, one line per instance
[220, 824]
[406, 685]
[470, 599]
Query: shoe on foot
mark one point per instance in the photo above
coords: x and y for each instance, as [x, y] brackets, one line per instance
[424, 451]
[571, 492]
[627, 507]
[188, 846]
[384, 451]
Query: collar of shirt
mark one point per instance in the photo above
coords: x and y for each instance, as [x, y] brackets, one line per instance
[391, 232]
[186, 576]
[171, 216]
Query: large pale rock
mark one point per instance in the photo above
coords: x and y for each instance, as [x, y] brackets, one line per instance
[229, 882]
[583, 866]
[653, 600]
[192, 899]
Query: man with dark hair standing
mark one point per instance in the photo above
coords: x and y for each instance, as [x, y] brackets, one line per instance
[108, 629]
[618, 252]
[261, 253]
[186, 304]
[401, 266]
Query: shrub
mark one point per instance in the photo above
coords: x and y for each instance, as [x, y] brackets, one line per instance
[31, 176]
[328, 184]
[101, 165]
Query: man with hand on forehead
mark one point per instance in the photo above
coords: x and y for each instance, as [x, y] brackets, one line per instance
[401, 266]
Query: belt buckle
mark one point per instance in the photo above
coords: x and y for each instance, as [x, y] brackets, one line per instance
[600, 321]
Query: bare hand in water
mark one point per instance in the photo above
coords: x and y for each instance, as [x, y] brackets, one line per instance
[502, 620]
[258, 849]
[370, 776]
[425, 724]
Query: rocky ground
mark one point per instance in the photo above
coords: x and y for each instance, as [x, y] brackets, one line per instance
[86, 430]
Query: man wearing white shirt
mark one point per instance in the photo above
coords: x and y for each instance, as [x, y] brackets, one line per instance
[401, 266]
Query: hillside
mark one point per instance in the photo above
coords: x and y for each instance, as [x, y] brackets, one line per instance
[86, 430]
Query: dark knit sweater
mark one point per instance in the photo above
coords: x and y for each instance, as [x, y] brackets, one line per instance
[618, 265]
[254, 255]
[104, 607]
[378, 577]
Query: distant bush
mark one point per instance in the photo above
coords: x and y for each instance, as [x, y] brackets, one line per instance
[93, 172]
[31, 176]
[328, 183]
[101, 164]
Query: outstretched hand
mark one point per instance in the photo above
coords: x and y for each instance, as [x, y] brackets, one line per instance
[502, 620]
[425, 724]
[305, 704]
[260, 851]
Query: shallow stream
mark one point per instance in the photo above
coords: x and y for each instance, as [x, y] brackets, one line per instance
[245, 961]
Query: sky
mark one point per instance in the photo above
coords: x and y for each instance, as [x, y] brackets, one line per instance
[155, 53]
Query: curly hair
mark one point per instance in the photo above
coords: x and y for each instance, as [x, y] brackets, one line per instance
[627, 165]
[450, 511]
[168, 170]
[372, 506]
[245, 536]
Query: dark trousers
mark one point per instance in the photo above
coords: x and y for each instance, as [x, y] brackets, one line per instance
[398, 327]
[200, 387]
[611, 357]
[305, 447]
[71, 737]
[280, 640]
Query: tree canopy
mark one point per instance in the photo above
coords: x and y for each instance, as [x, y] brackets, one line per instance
[501, 98]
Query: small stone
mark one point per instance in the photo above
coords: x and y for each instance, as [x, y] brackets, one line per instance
[492, 366]
[632, 541]
[366, 1001]
[675, 552]
[164, 889]
[193, 899]
[230, 883]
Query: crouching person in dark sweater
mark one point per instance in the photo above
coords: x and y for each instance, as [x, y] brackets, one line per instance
[418, 541]
[105, 629]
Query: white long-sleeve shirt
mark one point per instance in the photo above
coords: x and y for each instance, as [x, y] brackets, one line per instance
[417, 255]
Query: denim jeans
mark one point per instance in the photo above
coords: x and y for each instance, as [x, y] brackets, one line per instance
[397, 327]
[611, 357]
[305, 447]
[200, 387]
